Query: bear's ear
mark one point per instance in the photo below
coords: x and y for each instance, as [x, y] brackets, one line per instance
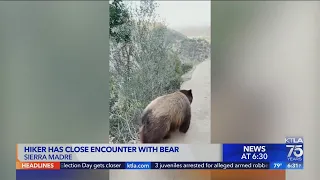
[190, 91]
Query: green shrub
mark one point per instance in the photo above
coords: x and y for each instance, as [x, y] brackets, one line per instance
[186, 67]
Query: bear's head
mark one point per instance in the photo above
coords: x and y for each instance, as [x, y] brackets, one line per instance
[188, 93]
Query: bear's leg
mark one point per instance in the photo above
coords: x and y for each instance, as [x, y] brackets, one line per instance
[148, 138]
[155, 142]
[151, 140]
[184, 127]
[167, 136]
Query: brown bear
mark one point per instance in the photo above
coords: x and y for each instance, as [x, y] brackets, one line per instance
[166, 114]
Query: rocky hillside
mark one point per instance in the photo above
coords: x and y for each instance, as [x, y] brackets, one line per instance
[190, 50]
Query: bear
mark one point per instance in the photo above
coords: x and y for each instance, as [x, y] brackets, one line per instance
[164, 115]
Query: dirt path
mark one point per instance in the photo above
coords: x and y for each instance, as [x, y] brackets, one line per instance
[199, 131]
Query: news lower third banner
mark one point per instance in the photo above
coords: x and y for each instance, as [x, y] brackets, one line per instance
[160, 156]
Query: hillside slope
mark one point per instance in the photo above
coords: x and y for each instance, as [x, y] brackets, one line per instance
[190, 50]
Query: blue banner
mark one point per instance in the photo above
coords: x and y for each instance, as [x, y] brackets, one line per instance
[294, 165]
[255, 153]
[278, 165]
[286, 165]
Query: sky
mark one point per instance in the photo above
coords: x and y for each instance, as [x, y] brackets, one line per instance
[179, 14]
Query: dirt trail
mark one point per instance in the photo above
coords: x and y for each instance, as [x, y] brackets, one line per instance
[199, 131]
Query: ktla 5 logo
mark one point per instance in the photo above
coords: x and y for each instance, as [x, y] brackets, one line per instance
[296, 151]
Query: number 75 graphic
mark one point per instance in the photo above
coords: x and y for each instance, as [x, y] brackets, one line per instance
[296, 150]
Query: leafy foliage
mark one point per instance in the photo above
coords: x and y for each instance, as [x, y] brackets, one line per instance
[194, 49]
[119, 15]
[186, 67]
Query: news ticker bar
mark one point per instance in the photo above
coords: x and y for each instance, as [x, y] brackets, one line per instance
[157, 165]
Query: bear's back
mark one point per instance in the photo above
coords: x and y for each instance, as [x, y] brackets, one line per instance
[172, 105]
